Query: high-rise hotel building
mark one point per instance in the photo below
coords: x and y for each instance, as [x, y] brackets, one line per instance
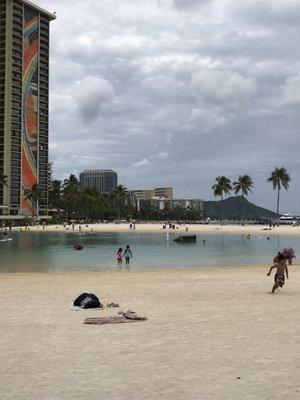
[24, 91]
[104, 180]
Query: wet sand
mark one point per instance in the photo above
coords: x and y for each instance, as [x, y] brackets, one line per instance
[212, 334]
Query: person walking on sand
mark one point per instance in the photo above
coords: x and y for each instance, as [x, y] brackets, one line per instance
[127, 254]
[282, 270]
[119, 256]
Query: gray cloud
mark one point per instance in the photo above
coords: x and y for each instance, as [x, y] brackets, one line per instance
[188, 4]
[177, 92]
[90, 94]
[223, 90]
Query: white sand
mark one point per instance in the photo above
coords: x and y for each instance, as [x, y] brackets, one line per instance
[205, 329]
[157, 228]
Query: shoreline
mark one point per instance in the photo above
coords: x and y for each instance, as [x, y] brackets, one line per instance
[157, 228]
[145, 271]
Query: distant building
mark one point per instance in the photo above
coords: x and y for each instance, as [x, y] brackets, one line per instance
[152, 204]
[104, 180]
[166, 192]
[24, 110]
[187, 204]
[158, 203]
[135, 196]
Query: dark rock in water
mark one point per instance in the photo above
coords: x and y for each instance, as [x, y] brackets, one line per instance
[186, 239]
[78, 246]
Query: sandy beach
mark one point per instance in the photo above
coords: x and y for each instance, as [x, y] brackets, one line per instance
[212, 334]
[157, 228]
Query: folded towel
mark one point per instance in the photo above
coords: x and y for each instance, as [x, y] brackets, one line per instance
[122, 318]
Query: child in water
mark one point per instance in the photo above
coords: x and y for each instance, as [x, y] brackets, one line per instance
[119, 256]
[127, 254]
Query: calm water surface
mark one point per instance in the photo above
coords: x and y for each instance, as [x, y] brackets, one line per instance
[30, 252]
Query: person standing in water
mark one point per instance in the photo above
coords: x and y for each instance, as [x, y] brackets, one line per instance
[127, 254]
[289, 254]
[282, 270]
[119, 256]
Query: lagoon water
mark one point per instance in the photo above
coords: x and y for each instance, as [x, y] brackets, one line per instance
[41, 251]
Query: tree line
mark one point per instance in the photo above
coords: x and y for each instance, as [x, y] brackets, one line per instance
[73, 202]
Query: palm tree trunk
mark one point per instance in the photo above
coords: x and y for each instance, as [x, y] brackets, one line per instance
[222, 212]
[33, 209]
[119, 208]
[278, 194]
[243, 216]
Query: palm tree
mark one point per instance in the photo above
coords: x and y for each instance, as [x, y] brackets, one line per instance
[55, 194]
[244, 185]
[120, 194]
[71, 194]
[221, 187]
[90, 202]
[33, 195]
[279, 178]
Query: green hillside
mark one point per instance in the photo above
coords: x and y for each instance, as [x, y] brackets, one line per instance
[233, 209]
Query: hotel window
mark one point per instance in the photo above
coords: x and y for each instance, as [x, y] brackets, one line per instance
[15, 185]
[15, 163]
[15, 141]
[14, 200]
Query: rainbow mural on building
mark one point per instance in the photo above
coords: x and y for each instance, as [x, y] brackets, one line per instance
[30, 123]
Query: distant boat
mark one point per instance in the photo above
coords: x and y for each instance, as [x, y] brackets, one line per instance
[289, 219]
[186, 239]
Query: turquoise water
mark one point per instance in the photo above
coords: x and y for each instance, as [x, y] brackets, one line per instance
[30, 252]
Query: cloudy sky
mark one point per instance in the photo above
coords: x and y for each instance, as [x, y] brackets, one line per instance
[176, 92]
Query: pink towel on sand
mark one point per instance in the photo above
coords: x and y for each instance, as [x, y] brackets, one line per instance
[122, 318]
